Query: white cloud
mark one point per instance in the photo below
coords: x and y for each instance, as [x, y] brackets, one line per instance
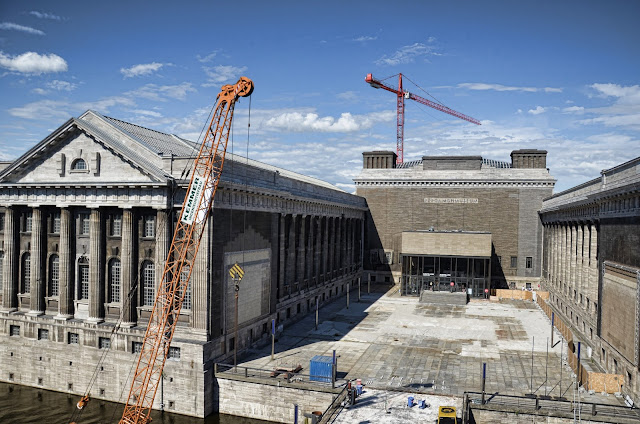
[33, 63]
[56, 85]
[312, 122]
[407, 54]
[365, 38]
[44, 15]
[151, 113]
[631, 94]
[223, 73]
[538, 110]
[60, 110]
[625, 110]
[500, 87]
[573, 109]
[141, 69]
[62, 85]
[9, 26]
[161, 93]
[207, 58]
[347, 95]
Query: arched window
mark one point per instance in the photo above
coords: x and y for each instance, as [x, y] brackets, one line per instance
[54, 275]
[26, 273]
[83, 278]
[79, 165]
[114, 280]
[148, 283]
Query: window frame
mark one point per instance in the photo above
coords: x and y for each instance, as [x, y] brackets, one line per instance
[54, 275]
[528, 262]
[75, 166]
[148, 273]
[513, 262]
[115, 280]
[116, 225]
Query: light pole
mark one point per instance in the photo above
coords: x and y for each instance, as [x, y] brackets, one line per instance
[236, 280]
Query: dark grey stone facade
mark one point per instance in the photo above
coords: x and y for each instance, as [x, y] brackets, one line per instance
[87, 219]
[591, 267]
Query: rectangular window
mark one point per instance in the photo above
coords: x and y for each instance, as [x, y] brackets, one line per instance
[14, 330]
[84, 282]
[116, 225]
[529, 262]
[136, 347]
[174, 353]
[55, 226]
[28, 222]
[85, 219]
[73, 338]
[149, 227]
[104, 342]
[54, 272]
[514, 262]
[43, 334]
[1, 222]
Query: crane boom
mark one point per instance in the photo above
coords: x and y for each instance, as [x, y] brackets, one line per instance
[197, 205]
[404, 94]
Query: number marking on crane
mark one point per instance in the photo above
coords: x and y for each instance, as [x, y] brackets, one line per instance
[236, 272]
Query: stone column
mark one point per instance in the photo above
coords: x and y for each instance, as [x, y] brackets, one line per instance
[325, 248]
[572, 264]
[96, 280]
[310, 251]
[199, 283]
[593, 264]
[65, 300]
[127, 269]
[556, 252]
[586, 278]
[291, 253]
[300, 254]
[317, 257]
[579, 256]
[282, 255]
[10, 282]
[331, 243]
[340, 245]
[37, 281]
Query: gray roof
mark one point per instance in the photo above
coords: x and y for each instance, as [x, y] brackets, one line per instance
[156, 141]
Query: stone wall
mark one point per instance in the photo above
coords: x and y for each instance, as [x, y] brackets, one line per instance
[273, 403]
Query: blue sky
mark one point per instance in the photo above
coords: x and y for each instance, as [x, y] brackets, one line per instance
[560, 76]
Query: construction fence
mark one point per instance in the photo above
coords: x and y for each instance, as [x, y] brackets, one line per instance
[598, 382]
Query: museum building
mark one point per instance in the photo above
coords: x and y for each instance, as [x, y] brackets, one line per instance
[461, 223]
[86, 219]
[591, 268]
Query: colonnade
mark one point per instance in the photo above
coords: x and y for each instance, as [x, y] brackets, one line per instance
[31, 239]
[570, 261]
[315, 249]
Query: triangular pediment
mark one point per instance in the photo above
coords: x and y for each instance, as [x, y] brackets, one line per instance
[85, 153]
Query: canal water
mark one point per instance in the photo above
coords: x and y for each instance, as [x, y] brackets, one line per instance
[22, 405]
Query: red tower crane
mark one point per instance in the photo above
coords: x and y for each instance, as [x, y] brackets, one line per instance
[404, 94]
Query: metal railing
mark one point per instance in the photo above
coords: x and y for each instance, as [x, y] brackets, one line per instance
[546, 405]
[280, 374]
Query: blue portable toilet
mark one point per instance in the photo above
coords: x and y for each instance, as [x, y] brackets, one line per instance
[410, 402]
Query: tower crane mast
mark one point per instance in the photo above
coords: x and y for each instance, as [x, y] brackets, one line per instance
[401, 96]
[196, 208]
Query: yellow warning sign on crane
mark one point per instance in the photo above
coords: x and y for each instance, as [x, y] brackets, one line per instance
[236, 272]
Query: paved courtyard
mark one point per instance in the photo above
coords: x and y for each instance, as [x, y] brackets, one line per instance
[401, 347]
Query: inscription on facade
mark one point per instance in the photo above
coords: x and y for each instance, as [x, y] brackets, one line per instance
[450, 200]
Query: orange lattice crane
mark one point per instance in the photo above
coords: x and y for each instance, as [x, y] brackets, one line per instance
[182, 253]
[402, 94]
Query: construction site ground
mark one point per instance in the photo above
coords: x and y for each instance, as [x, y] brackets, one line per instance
[399, 347]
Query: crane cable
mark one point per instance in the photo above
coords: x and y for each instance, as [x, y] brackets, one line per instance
[77, 413]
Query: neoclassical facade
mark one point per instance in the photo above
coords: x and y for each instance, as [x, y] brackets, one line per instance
[591, 267]
[86, 220]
